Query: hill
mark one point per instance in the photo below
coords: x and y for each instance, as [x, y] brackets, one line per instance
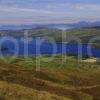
[20, 80]
[43, 31]
[85, 34]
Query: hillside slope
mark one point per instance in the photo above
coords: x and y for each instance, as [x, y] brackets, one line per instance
[11, 91]
[50, 83]
[85, 34]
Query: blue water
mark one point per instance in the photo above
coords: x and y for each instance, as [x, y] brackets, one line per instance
[39, 46]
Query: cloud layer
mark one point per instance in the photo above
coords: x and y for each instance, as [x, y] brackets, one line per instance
[48, 11]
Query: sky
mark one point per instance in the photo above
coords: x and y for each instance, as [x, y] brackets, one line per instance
[48, 11]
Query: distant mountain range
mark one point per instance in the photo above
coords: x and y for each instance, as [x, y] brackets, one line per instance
[58, 26]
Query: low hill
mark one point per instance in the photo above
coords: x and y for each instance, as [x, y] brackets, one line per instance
[85, 34]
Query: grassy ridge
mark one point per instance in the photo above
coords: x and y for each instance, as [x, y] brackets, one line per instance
[56, 61]
[70, 80]
[84, 34]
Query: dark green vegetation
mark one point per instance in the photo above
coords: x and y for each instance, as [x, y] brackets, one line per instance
[64, 78]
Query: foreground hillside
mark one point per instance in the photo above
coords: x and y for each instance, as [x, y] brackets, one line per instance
[11, 91]
[73, 81]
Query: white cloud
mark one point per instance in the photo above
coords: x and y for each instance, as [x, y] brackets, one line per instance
[58, 13]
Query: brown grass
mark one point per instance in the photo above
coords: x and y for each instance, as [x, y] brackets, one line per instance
[58, 83]
[9, 91]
